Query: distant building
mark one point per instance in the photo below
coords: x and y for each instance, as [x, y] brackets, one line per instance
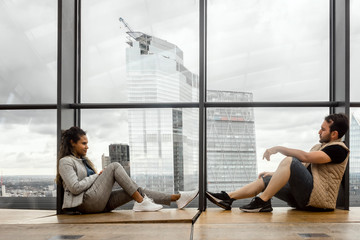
[231, 144]
[105, 161]
[120, 153]
[354, 155]
[3, 191]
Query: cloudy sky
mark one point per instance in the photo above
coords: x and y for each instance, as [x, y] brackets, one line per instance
[278, 50]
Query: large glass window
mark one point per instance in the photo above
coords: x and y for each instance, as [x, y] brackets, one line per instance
[28, 51]
[139, 51]
[157, 147]
[28, 159]
[238, 137]
[148, 51]
[354, 50]
[269, 48]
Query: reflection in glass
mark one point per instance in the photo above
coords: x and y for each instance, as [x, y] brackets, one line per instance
[28, 49]
[150, 55]
[269, 49]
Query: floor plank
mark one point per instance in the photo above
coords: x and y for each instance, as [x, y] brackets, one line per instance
[282, 223]
[276, 231]
[17, 216]
[121, 216]
[165, 231]
[279, 215]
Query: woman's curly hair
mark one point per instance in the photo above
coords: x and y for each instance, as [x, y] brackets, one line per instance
[72, 134]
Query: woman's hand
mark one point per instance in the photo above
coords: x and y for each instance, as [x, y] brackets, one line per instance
[265, 174]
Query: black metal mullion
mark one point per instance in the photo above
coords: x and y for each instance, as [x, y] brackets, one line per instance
[354, 104]
[59, 190]
[132, 105]
[78, 61]
[273, 104]
[67, 74]
[27, 106]
[339, 76]
[202, 109]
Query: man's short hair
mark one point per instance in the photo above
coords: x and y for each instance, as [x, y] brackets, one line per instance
[340, 123]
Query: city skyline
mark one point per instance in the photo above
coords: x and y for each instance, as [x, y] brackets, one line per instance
[36, 130]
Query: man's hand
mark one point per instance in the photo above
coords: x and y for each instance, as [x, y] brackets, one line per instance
[265, 174]
[269, 152]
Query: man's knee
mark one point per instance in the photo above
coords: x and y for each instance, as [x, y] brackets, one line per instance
[286, 162]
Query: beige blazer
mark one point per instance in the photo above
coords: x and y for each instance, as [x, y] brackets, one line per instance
[75, 180]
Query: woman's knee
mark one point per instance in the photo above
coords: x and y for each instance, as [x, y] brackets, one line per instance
[114, 165]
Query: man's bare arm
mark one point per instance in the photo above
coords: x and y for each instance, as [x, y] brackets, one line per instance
[307, 157]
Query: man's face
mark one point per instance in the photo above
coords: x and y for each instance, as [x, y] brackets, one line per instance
[324, 132]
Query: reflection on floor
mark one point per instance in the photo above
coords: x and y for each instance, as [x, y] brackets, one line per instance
[282, 223]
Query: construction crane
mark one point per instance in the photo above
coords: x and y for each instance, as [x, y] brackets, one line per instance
[125, 24]
[142, 38]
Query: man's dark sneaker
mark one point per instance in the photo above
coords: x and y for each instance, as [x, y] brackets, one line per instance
[257, 205]
[221, 199]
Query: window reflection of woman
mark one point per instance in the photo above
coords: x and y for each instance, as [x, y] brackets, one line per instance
[87, 191]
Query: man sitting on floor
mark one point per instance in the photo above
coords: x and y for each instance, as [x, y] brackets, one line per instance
[305, 180]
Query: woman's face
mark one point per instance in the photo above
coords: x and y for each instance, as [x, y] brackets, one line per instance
[80, 147]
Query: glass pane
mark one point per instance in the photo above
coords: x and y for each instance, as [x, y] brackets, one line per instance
[269, 49]
[28, 159]
[238, 137]
[161, 145]
[28, 59]
[354, 50]
[151, 55]
[355, 157]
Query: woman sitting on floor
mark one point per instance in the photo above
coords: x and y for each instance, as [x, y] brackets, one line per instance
[87, 191]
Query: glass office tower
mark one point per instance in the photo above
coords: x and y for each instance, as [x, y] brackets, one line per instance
[355, 157]
[163, 143]
[231, 146]
[120, 153]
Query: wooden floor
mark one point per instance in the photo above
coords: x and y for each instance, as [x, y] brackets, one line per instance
[282, 223]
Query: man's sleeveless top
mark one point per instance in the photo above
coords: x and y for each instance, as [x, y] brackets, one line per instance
[326, 179]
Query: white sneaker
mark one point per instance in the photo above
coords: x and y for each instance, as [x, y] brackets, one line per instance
[186, 198]
[147, 205]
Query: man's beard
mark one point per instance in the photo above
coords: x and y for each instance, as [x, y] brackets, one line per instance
[324, 140]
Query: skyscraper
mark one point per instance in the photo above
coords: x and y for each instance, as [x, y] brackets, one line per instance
[105, 161]
[231, 145]
[354, 155]
[3, 191]
[120, 153]
[163, 142]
